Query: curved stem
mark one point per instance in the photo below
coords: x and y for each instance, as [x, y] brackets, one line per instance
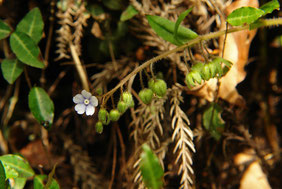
[268, 22]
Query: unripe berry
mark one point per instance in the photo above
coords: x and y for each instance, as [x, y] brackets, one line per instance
[114, 115]
[151, 83]
[122, 107]
[103, 116]
[99, 127]
[146, 95]
[128, 99]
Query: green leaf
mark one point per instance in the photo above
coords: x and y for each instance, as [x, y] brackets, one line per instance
[151, 169]
[165, 29]
[244, 15]
[113, 4]
[179, 20]
[41, 106]
[32, 25]
[40, 180]
[25, 49]
[270, 7]
[129, 12]
[95, 10]
[19, 164]
[2, 175]
[18, 183]
[212, 120]
[11, 69]
[4, 30]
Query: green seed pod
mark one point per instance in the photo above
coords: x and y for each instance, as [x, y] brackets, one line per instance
[103, 116]
[122, 107]
[151, 83]
[212, 68]
[128, 99]
[196, 76]
[99, 127]
[114, 115]
[189, 81]
[206, 73]
[146, 95]
[197, 67]
[160, 87]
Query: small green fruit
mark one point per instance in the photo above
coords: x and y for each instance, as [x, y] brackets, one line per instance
[160, 87]
[99, 127]
[103, 116]
[128, 99]
[151, 83]
[146, 95]
[206, 73]
[189, 81]
[212, 68]
[114, 115]
[122, 107]
[196, 76]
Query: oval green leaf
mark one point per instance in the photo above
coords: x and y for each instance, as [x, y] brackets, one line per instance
[244, 15]
[11, 69]
[151, 169]
[4, 30]
[270, 7]
[41, 106]
[212, 120]
[17, 163]
[18, 183]
[32, 25]
[129, 12]
[179, 20]
[25, 49]
[165, 29]
[40, 180]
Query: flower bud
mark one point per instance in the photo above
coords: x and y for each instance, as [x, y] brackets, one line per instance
[122, 107]
[205, 73]
[128, 99]
[160, 87]
[189, 81]
[212, 68]
[103, 116]
[146, 95]
[99, 127]
[114, 115]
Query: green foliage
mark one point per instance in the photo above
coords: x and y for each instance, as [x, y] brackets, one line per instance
[113, 4]
[32, 25]
[270, 7]
[212, 120]
[146, 95]
[16, 164]
[40, 180]
[4, 30]
[179, 20]
[244, 15]
[2, 176]
[165, 29]
[18, 183]
[11, 69]
[151, 169]
[25, 49]
[41, 106]
[95, 10]
[129, 13]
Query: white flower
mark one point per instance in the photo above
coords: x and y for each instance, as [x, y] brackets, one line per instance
[85, 103]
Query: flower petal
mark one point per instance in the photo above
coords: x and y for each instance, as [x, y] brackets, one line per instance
[86, 94]
[94, 101]
[78, 99]
[90, 110]
[80, 108]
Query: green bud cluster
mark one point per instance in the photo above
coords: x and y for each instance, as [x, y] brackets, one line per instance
[201, 71]
[146, 95]
[158, 86]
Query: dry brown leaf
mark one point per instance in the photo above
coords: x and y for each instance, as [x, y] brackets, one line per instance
[253, 176]
[236, 50]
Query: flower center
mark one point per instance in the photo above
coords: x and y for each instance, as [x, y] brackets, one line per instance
[86, 101]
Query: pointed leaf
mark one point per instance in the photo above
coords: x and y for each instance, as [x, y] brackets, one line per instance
[18, 183]
[244, 15]
[32, 25]
[212, 120]
[40, 181]
[179, 20]
[19, 164]
[151, 169]
[165, 29]
[4, 30]
[2, 175]
[41, 106]
[129, 12]
[11, 69]
[270, 7]
[25, 49]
